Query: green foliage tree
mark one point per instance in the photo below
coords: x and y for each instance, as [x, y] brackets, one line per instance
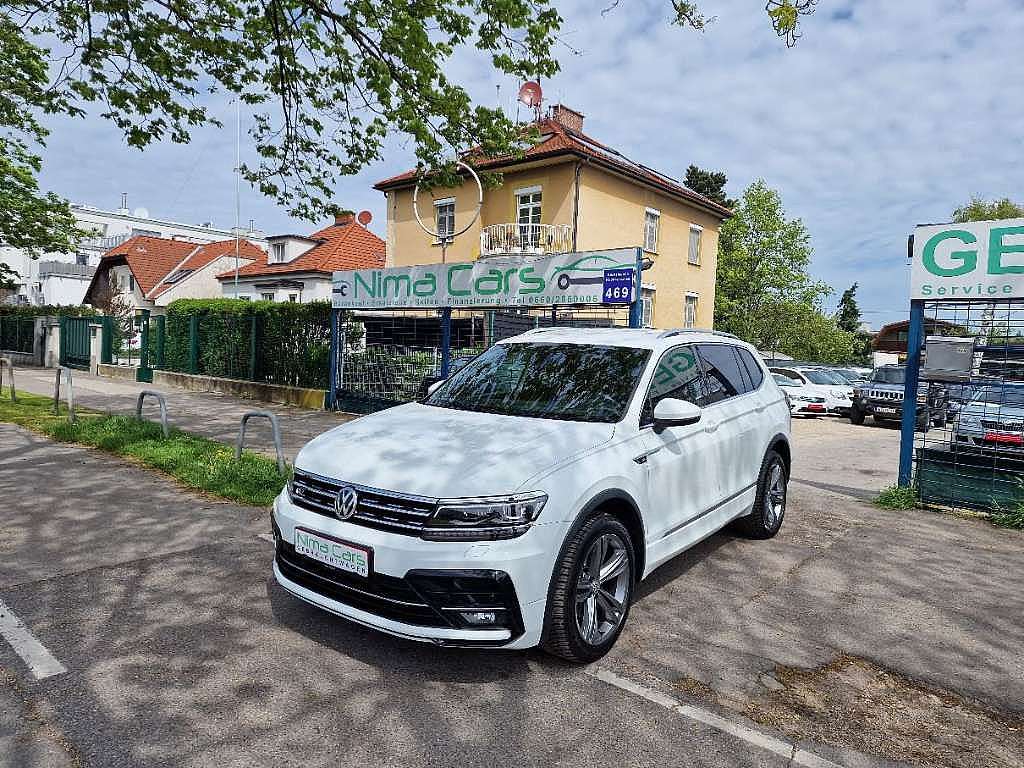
[327, 83]
[8, 278]
[711, 184]
[809, 334]
[763, 287]
[983, 210]
[848, 313]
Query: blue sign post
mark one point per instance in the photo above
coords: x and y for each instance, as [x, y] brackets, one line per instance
[618, 286]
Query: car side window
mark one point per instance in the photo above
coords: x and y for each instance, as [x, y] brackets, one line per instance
[723, 376]
[755, 373]
[677, 375]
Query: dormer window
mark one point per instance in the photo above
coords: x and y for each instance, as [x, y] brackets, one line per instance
[277, 252]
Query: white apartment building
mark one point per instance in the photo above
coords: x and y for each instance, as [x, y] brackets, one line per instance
[62, 278]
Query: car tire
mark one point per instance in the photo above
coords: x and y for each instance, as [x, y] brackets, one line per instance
[765, 519]
[856, 416]
[565, 620]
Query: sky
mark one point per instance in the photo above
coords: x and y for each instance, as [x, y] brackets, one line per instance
[885, 115]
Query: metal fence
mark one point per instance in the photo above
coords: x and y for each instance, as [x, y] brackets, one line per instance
[968, 447]
[389, 358]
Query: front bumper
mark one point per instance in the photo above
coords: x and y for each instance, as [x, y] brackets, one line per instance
[395, 600]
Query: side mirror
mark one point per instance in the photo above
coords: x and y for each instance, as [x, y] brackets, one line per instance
[433, 387]
[671, 412]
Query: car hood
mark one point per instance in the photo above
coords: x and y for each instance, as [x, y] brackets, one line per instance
[442, 452]
[993, 410]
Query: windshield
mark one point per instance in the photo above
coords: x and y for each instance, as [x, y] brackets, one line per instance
[576, 382]
[889, 375]
[1013, 396]
[819, 377]
[785, 381]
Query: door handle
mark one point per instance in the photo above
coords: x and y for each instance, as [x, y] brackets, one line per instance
[642, 458]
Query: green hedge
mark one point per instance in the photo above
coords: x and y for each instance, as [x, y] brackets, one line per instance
[291, 341]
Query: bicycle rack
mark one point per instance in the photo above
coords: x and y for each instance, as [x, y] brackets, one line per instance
[277, 436]
[71, 393]
[10, 366]
[163, 409]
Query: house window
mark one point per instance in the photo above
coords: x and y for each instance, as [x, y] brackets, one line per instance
[652, 223]
[528, 210]
[690, 311]
[293, 297]
[245, 298]
[694, 252]
[647, 307]
[278, 252]
[444, 217]
[267, 296]
[82, 259]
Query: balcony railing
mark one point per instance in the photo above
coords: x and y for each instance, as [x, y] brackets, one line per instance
[105, 243]
[500, 239]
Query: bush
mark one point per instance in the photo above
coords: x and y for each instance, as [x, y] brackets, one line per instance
[897, 497]
[59, 310]
[1008, 518]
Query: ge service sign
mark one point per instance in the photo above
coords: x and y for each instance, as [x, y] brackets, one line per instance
[976, 260]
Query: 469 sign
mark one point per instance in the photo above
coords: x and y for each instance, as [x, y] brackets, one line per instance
[618, 286]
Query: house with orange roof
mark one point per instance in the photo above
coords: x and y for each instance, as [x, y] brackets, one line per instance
[151, 272]
[299, 268]
[569, 192]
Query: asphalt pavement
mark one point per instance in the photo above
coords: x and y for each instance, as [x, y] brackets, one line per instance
[180, 650]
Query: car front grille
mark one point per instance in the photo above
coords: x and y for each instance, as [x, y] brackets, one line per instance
[380, 594]
[383, 510]
[1004, 426]
[885, 394]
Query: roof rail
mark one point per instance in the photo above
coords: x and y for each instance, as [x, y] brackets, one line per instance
[682, 331]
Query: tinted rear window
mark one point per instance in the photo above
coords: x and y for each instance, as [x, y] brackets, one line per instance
[754, 370]
[723, 376]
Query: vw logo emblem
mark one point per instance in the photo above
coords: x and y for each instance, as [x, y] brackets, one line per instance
[345, 503]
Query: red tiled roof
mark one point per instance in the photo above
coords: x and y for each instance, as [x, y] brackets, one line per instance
[342, 246]
[149, 258]
[558, 140]
[208, 253]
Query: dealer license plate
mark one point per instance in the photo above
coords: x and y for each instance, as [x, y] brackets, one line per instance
[333, 552]
[889, 411]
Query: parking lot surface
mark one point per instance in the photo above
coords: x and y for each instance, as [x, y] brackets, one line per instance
[856, 637]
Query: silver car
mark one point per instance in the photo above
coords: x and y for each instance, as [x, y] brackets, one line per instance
[993, 419]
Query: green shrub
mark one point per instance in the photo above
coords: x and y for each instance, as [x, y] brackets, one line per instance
[897, 497]
[72, 310]
[1008, 518]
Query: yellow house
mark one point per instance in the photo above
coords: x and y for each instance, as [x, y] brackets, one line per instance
[569, 192]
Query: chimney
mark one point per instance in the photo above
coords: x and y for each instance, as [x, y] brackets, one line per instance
[124, 203]
[343, 218]
[570, 118]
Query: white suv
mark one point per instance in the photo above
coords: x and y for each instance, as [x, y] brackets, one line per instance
[523, 499]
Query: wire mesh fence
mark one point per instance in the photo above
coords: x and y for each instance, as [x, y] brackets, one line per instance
[389, 358]
[969, 443]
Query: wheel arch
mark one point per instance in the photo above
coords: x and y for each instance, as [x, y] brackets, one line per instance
[780, 444]
[622, 506]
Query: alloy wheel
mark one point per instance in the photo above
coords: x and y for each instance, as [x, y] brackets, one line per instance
[602, 589]
[775, 497]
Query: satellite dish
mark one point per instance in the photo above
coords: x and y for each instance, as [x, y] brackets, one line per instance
[531, 94]
[140, 213]
[364, 218]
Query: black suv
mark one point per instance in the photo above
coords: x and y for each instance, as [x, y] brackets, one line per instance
[881, 397]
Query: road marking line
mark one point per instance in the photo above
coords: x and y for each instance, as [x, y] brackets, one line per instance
[782, 748]
[266, 537]
[39, 660]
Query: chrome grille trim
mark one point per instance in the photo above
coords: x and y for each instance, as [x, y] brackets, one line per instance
[383, 510]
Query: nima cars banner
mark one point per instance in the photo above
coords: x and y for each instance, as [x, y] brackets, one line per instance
[587, 277]
[976, 260]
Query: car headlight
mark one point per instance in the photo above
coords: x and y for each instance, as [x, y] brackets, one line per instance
[922, 397]
[484, 518]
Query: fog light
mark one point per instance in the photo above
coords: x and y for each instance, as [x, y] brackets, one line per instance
[479, 618]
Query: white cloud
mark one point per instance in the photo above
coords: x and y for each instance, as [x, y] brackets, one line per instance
[885, 115]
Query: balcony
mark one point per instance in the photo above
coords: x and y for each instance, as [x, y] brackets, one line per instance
[536, 239]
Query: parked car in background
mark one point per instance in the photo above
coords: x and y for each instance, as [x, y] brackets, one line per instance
[852, 375]
[882, 399]
[838, 393]
[803, 400]
[993, 419]
[523, 499]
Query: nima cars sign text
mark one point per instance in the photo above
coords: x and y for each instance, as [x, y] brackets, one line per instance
[508, 281]
[976, 260]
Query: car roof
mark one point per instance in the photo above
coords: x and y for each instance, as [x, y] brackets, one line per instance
[642, 338]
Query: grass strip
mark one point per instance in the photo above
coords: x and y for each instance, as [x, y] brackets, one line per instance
[194, 461]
